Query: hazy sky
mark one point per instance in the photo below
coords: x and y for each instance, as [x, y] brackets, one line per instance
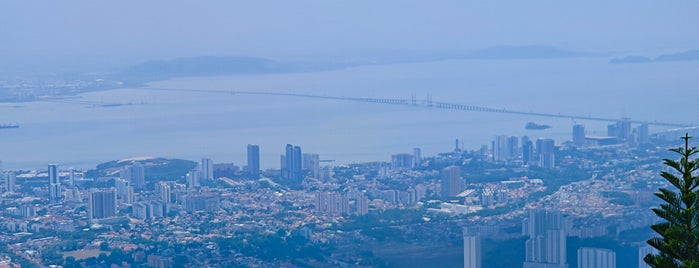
[73, 32]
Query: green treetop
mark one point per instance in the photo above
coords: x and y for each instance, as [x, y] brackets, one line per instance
[678, 239]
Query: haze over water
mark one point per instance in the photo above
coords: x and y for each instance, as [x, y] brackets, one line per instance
[193, 125]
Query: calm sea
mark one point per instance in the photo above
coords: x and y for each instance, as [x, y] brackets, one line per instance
[193, 125]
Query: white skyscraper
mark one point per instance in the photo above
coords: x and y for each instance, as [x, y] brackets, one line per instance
[362, 205]
[10, 181]
[165, 192]
[546, 149]
[193, 178]
[500, 148]
[332, 203]
[128, 197]
[450, 181]
[472, 250]
[311, 162]
[546, 246]
[292, 164]
[121, 185]
[596, 258]
[207, 169]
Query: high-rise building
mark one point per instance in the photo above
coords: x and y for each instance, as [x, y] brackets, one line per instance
[72, 195]
[546, 150]
[578, 135]
[121, 185]
[128, 197]
[596, 258]
[311, 162]
[192, 178]
[253, 161]
[643, 134]
[472, 250]
[159, 209]
[417, 157]
[512, 147]
[102, 203]
[54, 183]
[527, 152]
[149, 210]
[141, 211]
[546, 246]
[362, 205]
[282, 165]
[292, 163]
[401, 161]
[165, 192]
[10, 181]
[334, 204]
[29, 210]
[207, 202]
[207, 169]
[135, 174]
[642, 252]
[71, 177]
[525, 139]
[499, 147]
[451, 181]
[623, 129]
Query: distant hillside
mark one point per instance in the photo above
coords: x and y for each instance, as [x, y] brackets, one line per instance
[202, 66]
[689, 55]
[156, 169]
[213, 66]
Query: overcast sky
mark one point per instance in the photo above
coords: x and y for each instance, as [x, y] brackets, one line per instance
[125, 32]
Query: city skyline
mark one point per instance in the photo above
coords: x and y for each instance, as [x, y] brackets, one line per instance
[359, 134]
[547, 230]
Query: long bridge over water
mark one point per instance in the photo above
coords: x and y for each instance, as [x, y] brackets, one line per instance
[422, 103]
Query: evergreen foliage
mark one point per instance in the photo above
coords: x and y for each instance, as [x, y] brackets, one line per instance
[678, 244]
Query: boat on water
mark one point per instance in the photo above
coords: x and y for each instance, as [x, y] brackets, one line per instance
[535, 126]
[9, 126]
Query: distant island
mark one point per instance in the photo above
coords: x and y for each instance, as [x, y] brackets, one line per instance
[689, 55]
[9, 126]
[56, 86]
[535, 126]
[239, 65]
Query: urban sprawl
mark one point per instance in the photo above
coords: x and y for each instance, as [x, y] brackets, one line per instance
[158, 212]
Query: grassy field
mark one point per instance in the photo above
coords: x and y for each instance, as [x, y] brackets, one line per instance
[84, 254]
